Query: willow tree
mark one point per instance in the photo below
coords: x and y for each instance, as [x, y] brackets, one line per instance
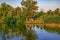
[29, 7]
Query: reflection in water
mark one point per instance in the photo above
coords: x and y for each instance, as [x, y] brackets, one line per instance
[51, 29]
[32, 33]
[18, 33]
[3, 37]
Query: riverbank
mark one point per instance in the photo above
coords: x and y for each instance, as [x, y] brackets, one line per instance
[42, 24]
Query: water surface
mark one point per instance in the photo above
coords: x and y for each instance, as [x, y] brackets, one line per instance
[35, 33]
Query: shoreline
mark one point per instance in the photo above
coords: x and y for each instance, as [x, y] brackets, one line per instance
[43, 24]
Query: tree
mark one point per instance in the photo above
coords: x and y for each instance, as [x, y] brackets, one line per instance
[6, 9]
[29, 7]
[57, 11]
[18, 11]
[49, 12]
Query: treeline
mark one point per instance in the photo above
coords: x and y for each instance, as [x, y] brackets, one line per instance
[49, 12]
[11, 17]
[49, 16]
[53, 16]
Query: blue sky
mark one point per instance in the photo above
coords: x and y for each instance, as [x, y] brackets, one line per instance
[43, 4]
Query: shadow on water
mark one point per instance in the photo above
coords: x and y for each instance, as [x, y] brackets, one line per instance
[28, 33]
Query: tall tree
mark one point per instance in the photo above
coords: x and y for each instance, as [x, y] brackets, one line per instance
[29, 7]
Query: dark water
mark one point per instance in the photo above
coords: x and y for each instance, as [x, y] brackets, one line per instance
[35, 33]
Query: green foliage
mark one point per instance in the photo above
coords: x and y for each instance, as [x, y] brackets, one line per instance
[10, 16]
[21, 27]
[37, 16]
[30, 7]
[52, 19]
[10, 22]
[20, 19]
[0, 12]
[0, 15]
